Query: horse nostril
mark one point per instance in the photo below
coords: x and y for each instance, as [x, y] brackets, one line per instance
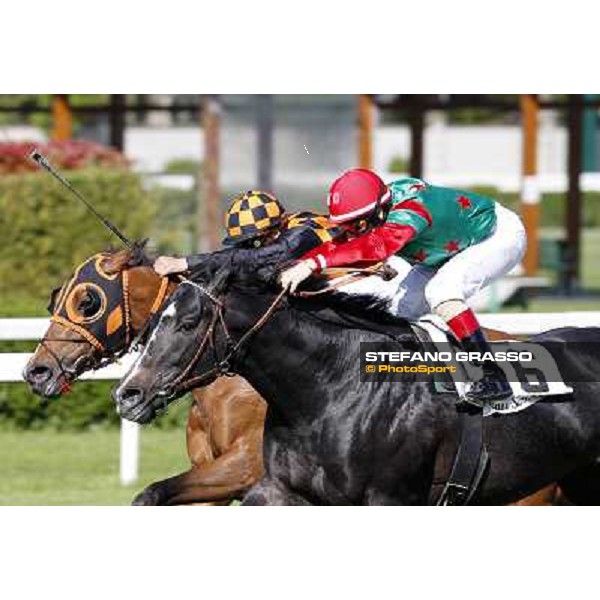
[130, 396]
[38, 374]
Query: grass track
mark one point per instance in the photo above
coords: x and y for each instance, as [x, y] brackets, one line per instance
[50, 468]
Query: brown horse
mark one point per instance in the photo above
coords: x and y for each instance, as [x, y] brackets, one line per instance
[225, 423]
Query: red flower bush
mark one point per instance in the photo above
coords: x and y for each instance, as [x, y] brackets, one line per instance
[68, 155]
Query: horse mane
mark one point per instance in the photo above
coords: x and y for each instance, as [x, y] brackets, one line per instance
[376, 308]
[118, 260]
[365, 310]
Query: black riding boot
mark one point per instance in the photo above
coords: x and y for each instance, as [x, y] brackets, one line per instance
[493, 385]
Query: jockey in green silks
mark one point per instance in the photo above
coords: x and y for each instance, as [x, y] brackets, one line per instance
[454, 243]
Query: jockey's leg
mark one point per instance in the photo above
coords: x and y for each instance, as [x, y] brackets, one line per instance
[405, 292]
[409, 300]
[461, 320]
[466, 274]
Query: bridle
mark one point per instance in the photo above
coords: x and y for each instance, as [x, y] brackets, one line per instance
[96, 360]
[102, 354]
[224, 365]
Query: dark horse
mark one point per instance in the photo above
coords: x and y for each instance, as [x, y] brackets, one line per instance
[330, 439]
[225, 422]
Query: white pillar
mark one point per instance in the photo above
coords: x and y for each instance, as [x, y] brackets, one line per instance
[130, 451]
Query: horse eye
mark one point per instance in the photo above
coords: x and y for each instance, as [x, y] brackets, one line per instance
[52, 304]
[188, 324]
[90, 304]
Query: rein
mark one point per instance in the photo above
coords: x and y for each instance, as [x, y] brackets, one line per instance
[221, 366]
[350, 275]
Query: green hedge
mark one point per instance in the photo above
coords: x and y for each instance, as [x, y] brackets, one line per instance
[45, 231]
[89, 405]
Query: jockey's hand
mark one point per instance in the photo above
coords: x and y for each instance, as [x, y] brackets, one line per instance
[166, 265]
[291, 278]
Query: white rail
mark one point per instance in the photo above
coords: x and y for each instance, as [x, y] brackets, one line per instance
[532, 323]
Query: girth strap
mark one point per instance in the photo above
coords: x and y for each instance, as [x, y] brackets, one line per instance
[470, 462]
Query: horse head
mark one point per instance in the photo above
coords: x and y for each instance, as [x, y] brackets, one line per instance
[188, 347]
[95, 316]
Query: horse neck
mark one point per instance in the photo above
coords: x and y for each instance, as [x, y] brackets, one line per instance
[144, 289]
[295, 361]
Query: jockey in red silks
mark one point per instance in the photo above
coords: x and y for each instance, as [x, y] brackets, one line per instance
[455, 244]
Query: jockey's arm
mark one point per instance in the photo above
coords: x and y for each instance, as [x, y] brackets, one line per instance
[291, 244]
[404, 222]
[372, 247]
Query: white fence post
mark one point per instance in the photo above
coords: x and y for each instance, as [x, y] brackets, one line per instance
[130, 450]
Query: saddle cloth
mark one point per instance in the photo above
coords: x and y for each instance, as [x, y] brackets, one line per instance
[525, 392]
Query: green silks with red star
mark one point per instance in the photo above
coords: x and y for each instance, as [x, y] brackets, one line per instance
[445, 220]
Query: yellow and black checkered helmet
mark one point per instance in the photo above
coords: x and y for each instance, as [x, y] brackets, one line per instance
[250, 215]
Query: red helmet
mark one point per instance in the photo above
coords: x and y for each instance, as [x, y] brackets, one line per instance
[355, 194]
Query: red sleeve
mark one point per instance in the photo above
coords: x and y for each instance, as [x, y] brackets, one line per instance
[372, 247]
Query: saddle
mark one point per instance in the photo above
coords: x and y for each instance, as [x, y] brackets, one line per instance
[431, 331]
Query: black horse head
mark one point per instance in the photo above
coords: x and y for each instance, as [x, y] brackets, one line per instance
[184, 340]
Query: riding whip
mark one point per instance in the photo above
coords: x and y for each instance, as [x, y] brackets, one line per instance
[37, 157]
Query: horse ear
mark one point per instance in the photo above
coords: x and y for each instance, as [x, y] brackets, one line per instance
[220, 279]
[138, 256]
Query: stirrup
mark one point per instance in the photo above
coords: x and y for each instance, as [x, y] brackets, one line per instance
[503, 393]
[469, 403]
